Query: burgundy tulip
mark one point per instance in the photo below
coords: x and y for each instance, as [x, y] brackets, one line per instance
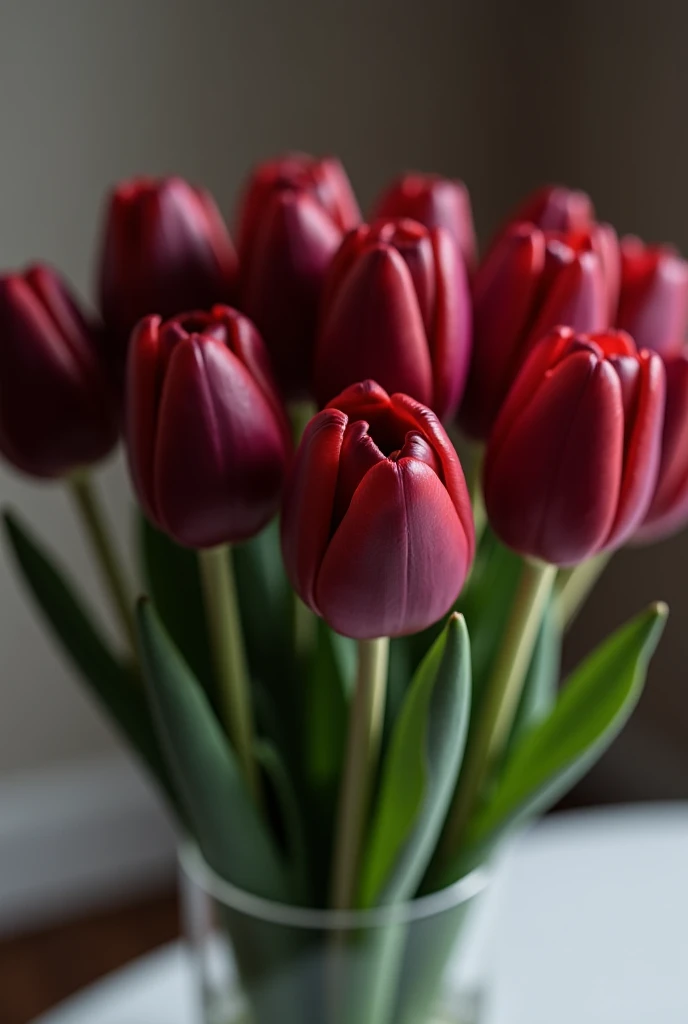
[57, 410]
[572, 462]
[396, 309]
[377, 529]
[669, 509]
[530, 282]
[165, 249]
[555, 208]
[206, 434]
[653, 305]
[292, 219]
[435, 202]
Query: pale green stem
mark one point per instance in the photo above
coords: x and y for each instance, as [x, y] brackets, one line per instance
[364, 737]
[575, 585]
[103, 546]
[304, 621]
[222, 607]
[501, 699]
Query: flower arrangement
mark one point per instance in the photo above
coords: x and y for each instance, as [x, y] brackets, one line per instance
[344, 675]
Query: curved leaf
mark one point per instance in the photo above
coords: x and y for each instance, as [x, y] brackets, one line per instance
[420, 770]
[230, 831]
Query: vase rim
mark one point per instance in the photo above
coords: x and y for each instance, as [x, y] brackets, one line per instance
[198, 871]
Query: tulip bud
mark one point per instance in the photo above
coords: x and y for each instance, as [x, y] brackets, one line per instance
[435, 202]
[669, 509]
[530, 282]
[377, 529]
[396, 309]
[572, 462]
[206, 434]
[292, 219]
[555, 208]
[57, 411]
[653, 305]
[165, 249]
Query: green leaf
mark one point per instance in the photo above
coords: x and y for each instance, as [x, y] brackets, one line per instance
[174, 583]
[420, 770]
[113, 683]
[591, 710]
[290, 817]
[540, 688]
[230, 831]
[329, 682]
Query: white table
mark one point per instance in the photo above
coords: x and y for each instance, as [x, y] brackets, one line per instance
[593, 911]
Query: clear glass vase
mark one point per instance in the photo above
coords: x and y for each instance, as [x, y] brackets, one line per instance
[258, 962]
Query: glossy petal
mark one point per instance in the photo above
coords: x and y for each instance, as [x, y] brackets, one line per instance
[399, 558]
[451, 341]
[555, 208]
[653, 305]
[577, 298]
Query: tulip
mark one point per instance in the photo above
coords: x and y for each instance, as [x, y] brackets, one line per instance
[435, 202]
[57, 413]
[377, 529]
[396, 309]
[530, 282]
[293, 217]
[206, 435]
[555, 208]
[669, 509]
[165, 249]
[653, 305]
[572, 462]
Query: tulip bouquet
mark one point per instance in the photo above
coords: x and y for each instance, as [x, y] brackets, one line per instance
[344, 675]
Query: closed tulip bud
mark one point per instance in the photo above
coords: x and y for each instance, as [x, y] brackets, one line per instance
[653, 306]
[377, 529]
[530, 282]
[669, 508]
[165, 249]
[207, 438]
[572, 462]
[435, 202]
[57, 411]
[396, 309]
[292, 219]
[555, 208]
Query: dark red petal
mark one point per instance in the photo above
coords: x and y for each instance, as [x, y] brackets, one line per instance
[451, 340]
[373, 329]
[145, 374]
[654, 296]
[335, 192]
[577, 298]
[399, 558]
[308, 505]
[359, 453]
[412, 241]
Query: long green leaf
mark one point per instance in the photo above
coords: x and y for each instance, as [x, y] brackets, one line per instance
[420, 770]
[110, 681]
[590, 711]
[231, 833]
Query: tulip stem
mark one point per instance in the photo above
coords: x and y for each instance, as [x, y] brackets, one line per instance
[226, 636]
[103, 546]
[366, 720]
[500, 701]
[574, 586]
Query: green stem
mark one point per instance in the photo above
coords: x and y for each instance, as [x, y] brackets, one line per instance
[500, 700]
[224, 620]
[304, 621]
[575, 585]
[366, 720]
[102, 543]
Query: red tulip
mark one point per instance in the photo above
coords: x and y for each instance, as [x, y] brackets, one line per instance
[57, 412]
[165, 250]
[293, 217]
[669, 509]
[530, 282]
[377, 530]
[572, 462]
[206, 434]
[435, 202]
[555, 208]
[653, 306]
[396, 309]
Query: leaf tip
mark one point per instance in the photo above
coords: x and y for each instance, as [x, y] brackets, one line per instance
[660, 609]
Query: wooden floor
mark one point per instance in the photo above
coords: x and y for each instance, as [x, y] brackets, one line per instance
[39, 970]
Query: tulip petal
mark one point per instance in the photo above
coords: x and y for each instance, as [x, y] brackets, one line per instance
[308, 507]
[359, 453]
[145, 375]
[399, 558]
[577, 298]
[451, 339]
[373, 329]
[219, 457]
[653, 305]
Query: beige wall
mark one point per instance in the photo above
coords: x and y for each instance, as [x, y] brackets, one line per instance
[503, 94]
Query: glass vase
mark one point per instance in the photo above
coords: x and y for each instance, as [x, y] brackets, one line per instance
[259, 962]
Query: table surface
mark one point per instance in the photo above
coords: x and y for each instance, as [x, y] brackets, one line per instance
[593, 929]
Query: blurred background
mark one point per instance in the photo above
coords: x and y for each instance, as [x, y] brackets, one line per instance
[503, 95]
